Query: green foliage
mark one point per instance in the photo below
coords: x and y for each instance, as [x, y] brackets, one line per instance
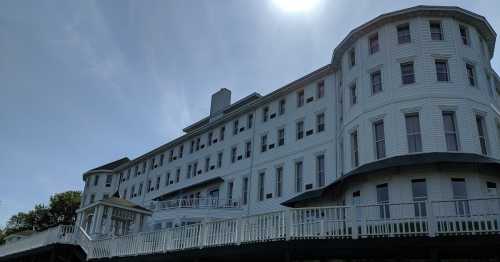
[61, 210]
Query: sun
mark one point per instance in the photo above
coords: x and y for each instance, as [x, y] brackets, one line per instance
[296, 6]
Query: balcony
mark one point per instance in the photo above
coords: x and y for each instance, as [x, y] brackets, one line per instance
[429, 219]
[211, 203]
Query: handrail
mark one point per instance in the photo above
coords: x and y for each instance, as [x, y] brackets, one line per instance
[196, 203]
[404, 219]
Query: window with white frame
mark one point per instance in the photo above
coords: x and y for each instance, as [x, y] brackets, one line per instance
[230, 187]
[404, 35]
[248, 149]
[413, 133]
[222, 131]
[442, 74]
[320, 122]
[407, 73]
[379, 139]
[383, 200]
[96, 180]
[263, 143]
[352, 58]
[450, 131]
[109, 180]
[376, 82]
[298, 176]
[320, 170]
[419, 192]
[471, 74]
[244, 191]
[281, 136]
[373, 44]
[354, 149]
[265, 114]
[320, 89]
[481, 131]
[234, 150]
[261, 186]
[464, 34]
[207, 164]
[249, 121]
[279, 181]
[436, 30]
[219, 159]
[299, 130]
[491, 189]
[282, 107]
[235, 127]
[353, 92]
[300, 98]
[181, 151]
[210, 137]
[177, 175]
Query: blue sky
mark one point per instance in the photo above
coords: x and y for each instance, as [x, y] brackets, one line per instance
[83, 83]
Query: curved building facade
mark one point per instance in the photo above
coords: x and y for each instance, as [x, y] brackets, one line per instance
[399, 136]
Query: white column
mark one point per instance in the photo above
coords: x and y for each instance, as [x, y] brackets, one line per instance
[96, 221]
[109, 222]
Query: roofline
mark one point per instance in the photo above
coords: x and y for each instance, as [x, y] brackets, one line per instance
[296, 84]
[100, 202]
[404, 14]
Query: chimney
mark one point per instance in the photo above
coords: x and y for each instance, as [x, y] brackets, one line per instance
[220, 101]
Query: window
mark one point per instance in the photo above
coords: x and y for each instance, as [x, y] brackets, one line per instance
[354, 149]
[140, 189]
[481, 131]
[209, 138]
[404, 35]
[162, 156]
[282, 107]
[491, 189]
[413, 134]
[376, 82]
[373, 44]
[233, 154]
[195, 168]
[152, 163]
[407, 73]
[436, 31]
[460, 195]
[230, 187]
[464, 34]
[320, 122]
[167, 179]
[235, 127]
[383, 201]
[300, 130]
[132, 192]
[158, 180]
[189, 171]
[177, 175]
[471, 74]
[144, 167]
[265, 114]
[281, 136]
[263, 143]
[171, 155]
[219, 160]
[92, 197]
[419, 191]
[244, 191]
[279, 181]
[149, 186]
[378, 131]
[109, 180]
[191, 147]
[352, 58]
[96, 180]
[298, 176]
[125, 194]
[248, 149]
[221, 133]
[300, 98]
[261, 185]
[488, 82]
[353, 94]
[207, 164]
[249, 121]
[320, 170]
[450, 131]
[442, 70]
[320, 89]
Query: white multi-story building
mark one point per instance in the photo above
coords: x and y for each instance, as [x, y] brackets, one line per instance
[398, 136]
[405, 94]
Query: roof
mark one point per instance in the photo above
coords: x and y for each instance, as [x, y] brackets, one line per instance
[110, 166]
[471, 18]
[186, 188]
[123, 203]
[396, 162]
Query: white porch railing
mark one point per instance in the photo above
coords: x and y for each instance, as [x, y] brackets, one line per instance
[195, 203]
[59, 234]
[422, 218]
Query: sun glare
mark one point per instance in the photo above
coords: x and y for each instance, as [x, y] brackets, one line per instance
[295, 6]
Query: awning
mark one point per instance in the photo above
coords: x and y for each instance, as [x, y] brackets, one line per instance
[399, 161]
[189, 187]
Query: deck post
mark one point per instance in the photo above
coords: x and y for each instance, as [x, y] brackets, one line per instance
[354, 221]
[288, 224]
[431, 219]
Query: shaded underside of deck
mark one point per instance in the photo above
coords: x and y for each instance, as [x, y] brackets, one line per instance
[433, 249]
[50, 253]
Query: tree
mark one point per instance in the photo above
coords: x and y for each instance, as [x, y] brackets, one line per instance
[18, 222]
[63, 207]
[2, 236]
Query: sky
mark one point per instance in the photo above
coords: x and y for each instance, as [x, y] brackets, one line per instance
[83, 83]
